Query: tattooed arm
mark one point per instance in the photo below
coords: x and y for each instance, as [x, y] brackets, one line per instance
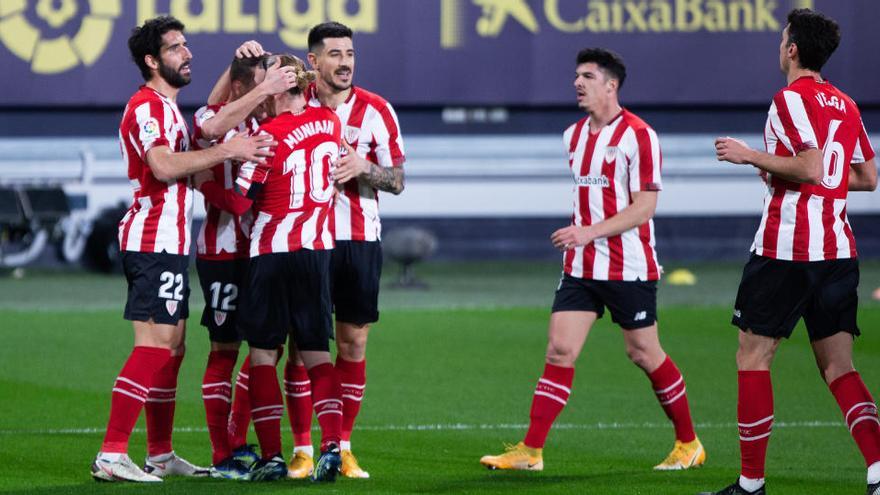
[388, 179]
[354, 166]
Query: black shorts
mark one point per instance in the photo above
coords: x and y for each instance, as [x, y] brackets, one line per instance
[633, 304]
[222, 282]
[774, 294]
[158, 287]
[355, 270]
[288, 293]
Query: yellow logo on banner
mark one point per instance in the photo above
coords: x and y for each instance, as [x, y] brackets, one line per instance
[613, 16]
[62, 53]
[289, 19]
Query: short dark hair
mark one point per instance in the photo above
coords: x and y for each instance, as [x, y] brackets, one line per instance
[816, 36]
[319, 33]
[607, 60]
[242, 69]
[147, 40]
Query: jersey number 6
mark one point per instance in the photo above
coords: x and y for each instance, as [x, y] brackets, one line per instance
[832, 158]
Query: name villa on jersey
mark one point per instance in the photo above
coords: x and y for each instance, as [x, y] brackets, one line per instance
[592, 181]
[308, 130]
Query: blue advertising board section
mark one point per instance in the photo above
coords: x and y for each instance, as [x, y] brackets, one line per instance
[73, 53]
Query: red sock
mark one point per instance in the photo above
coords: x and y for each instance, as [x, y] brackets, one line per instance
[298, 390]
[240, 417]
[860, 414]
[327, 399]
[551, 395]
[754, 414]
[353, 376]
[669, 386]
[130, 393]
[267, 407]
[217, 396]
[160, 407]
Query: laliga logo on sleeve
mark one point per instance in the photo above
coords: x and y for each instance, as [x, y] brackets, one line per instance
[35, 31]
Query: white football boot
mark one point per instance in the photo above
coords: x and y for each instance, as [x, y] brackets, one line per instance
[122, 469]
[173, 465]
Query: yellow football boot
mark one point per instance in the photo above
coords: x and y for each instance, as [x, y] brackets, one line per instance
[683, 456]
[301, 466]
[515, 457]
[350, 467]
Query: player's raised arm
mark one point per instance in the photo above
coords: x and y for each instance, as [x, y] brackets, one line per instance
[168, 165]
[220, 91]
[278, 79]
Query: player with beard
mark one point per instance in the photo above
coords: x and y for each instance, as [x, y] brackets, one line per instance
[222, 253]
[154, 240]
[289, 275]
[371, 128]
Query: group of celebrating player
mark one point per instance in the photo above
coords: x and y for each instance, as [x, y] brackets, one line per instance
[290, 237]
[290, 161]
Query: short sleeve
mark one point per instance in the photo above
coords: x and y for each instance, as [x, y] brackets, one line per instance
[201, 116]
[790, 122]
[864, 151]
[645, 165]
[385, 129]
[149, 125]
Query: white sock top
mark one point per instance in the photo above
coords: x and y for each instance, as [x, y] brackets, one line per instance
[751, 484]
[308, 449]
[874, 473]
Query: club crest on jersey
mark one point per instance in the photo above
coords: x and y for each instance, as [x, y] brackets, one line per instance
[610, 153]
[219, 317]
[150, 130]
[171, 307]
[352, 134]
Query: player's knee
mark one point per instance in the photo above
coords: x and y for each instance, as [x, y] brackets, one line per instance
[753, 359]
[352, 343]
[833, 371]
[263, 357]
[559, 354]
[639, 356]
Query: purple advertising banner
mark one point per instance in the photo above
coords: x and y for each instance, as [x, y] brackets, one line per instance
[441, 52]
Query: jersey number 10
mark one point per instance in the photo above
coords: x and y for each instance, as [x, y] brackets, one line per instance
[318, 168]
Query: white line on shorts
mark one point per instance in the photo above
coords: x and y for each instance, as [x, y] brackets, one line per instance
[458, 427]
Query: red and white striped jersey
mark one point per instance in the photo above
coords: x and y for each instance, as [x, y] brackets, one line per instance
[160, 217]
[293, 193]
[370, 127]
[805, 222]
[223, 235]
[622, 158]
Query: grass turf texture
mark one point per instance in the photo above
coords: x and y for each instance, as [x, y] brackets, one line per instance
[451, 373]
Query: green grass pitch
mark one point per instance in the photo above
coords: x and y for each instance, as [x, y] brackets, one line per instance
[451, 373]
